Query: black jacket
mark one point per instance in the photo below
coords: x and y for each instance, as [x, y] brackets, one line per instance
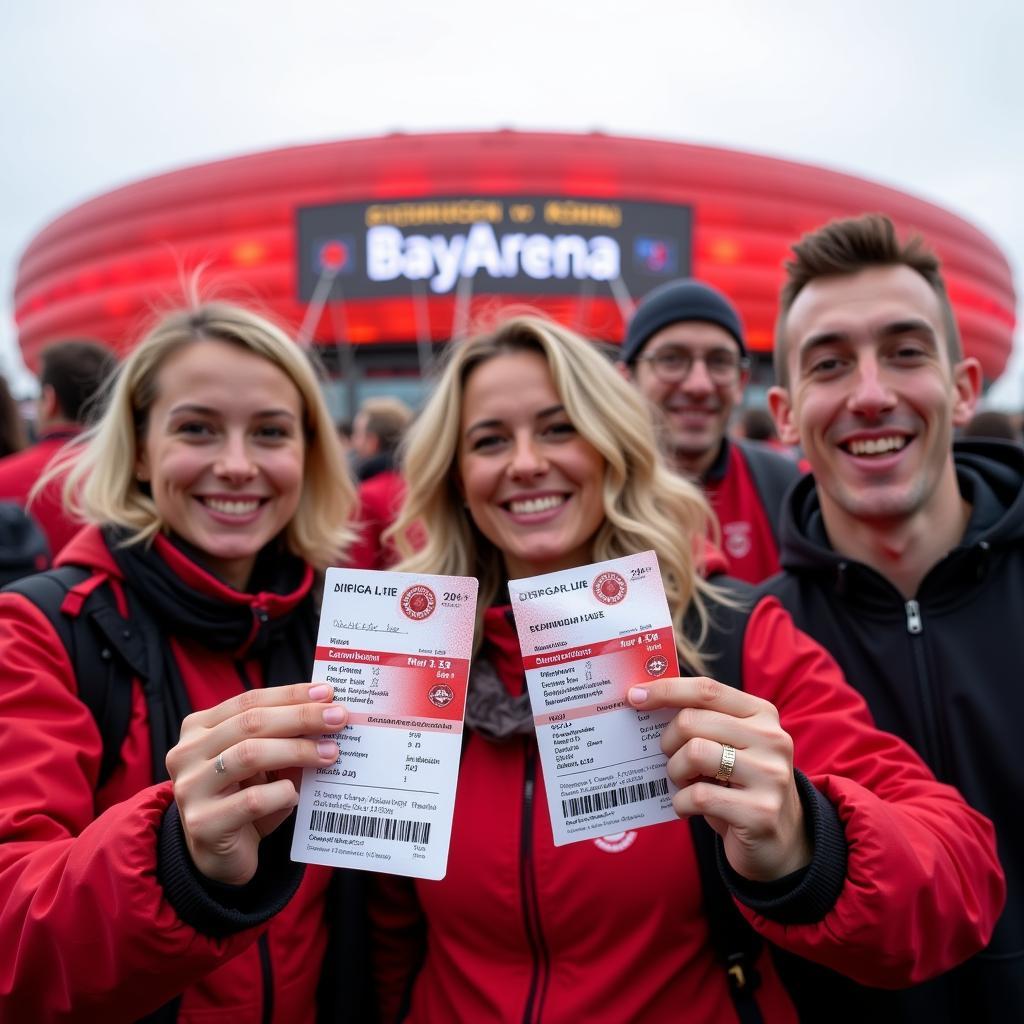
[946, 672]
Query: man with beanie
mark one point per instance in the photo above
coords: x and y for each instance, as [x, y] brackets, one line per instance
[685, 351]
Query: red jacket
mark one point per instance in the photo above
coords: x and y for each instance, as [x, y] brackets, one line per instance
[748, 541]
[380, 498]
[613, 930]
[18, 474]
[86, 929]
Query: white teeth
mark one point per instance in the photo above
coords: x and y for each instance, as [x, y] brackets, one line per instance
[877, 446]
[531, 505]
[231, 508]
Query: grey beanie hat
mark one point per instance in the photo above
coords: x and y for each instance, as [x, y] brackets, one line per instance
[677, 302]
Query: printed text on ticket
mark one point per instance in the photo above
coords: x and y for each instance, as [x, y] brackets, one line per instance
[587, 635]
[396, 649]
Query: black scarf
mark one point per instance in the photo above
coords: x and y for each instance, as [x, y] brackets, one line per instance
[163, 605]
[490, 709]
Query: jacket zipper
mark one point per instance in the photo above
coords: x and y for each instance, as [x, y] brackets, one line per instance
[267, 970]
[914, 617]
[932, 733]
[528, 895]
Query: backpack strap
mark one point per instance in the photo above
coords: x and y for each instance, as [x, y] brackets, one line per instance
[100, 647]
[773, 475]
[736, 944]
[106, 652]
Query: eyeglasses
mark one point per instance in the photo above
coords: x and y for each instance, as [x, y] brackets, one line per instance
[673, 365]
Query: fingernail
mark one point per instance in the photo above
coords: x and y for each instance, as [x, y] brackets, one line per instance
[334, 715]
[637, 695]
[319, 691]
[325, 748]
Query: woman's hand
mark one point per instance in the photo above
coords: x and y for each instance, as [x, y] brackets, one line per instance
[757, 809]
[236, 770]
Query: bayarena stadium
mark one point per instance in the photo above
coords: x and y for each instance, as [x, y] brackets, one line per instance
[378, 251]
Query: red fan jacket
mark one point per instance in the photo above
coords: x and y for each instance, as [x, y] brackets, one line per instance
[87, 929]
[904, 882]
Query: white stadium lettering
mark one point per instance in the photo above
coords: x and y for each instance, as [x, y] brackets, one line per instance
[442, 260]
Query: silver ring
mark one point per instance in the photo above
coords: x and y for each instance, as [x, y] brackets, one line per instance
[727, 764]
[218, 766]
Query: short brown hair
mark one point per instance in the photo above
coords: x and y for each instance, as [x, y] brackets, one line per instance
[849, 246]
[77, 370]
[387, 419]
[12, 430]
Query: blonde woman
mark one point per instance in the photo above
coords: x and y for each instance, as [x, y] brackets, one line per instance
[214, 489]
[532, 456]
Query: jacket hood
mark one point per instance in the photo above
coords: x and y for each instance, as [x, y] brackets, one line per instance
[88, 549]
[991, 479]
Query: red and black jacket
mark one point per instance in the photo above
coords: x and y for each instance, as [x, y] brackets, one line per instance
[943, 671]
[614, 930]
[101, 914]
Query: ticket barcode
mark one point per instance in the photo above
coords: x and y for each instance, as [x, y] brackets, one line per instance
[370, 827]
[606, 798]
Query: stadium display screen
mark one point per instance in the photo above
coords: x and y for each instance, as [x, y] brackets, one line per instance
[524, 245]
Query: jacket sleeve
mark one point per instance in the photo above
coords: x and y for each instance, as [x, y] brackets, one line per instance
[923, 886]
[83, 917]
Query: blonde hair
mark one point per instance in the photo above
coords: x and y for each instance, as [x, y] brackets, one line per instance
[646, 505]
[101, 486]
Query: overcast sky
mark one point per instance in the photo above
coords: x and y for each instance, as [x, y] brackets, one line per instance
[924, 95]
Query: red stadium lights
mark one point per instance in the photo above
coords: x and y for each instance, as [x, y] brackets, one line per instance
[249, 253]
[577, 226]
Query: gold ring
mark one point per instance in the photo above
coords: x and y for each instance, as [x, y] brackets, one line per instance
[726, 765]
[218, 766]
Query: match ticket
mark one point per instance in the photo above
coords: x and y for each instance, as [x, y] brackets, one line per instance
[587, 635]
[395, 647]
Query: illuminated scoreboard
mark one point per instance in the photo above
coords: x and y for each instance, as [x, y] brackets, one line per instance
[521, 245]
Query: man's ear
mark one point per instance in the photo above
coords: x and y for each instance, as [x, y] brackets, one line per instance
[624, 371]
[49, 406]
[967, 378]
[781, 408]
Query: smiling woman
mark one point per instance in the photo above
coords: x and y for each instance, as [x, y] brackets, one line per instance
[224, 452]
[532, 483]
[214, 489]
[109, 485]
[532, 455]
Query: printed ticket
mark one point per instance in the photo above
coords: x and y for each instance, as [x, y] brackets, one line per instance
[587, 635]
[395, 647]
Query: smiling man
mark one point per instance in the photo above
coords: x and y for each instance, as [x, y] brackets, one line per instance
[685, 351]
[904, 556]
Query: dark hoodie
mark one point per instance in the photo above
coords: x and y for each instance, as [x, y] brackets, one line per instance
[946, 672]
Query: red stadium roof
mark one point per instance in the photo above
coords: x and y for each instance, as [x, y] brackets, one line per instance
[100, 269]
